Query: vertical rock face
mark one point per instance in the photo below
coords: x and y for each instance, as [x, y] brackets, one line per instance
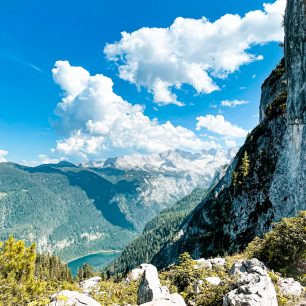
[290, 177]
[273, 184]
[273, 86]
[295, 51]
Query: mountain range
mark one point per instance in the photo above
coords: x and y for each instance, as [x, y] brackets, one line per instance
[72, 210]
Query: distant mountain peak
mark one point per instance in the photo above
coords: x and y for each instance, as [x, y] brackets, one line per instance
[202, 163]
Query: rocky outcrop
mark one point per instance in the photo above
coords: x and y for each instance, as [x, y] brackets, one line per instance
[150, 288]
[290, 287]
[137, 272]
[72, 298]
[288, 192]
[254, 286]
[152, 293]
[210, 263]
[88, 285]
[213, 280]
[273, 86]
[173, 300]
[244, 205]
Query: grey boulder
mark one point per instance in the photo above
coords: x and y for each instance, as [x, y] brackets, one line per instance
[290, 287]
[72, 298]
[88, 285]
[136, 273]
[172, 300]
[210, 263]
[254, 286]
[152, 293]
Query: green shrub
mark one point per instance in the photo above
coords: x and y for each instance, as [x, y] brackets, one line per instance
[26, 279]
[245, 165]
[116, 293]
[184, 277]
[283, 249]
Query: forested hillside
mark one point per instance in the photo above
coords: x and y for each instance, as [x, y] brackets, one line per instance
[155, 234]
[160, 230]
[75, 210]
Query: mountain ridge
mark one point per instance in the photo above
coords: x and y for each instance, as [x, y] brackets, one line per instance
[87, 209]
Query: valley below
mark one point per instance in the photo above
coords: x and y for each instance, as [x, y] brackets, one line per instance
[74, 210]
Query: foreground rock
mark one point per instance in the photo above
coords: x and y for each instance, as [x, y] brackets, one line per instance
[210, 263]
[172, 300]
[213, 280]
[136, 273]
[255, 287]
[151, 293]
[90, 284]
[72, 298]
[290, 288]
[150, 288]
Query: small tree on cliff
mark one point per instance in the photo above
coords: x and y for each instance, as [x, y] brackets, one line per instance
[245, 165]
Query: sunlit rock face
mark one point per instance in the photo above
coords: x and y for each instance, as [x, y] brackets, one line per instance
[288, 190]
[244, 205]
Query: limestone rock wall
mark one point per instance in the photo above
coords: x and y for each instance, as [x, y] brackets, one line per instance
[242, 207]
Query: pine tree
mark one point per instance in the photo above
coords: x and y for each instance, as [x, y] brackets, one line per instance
[245, 165]
[27, 278]
[85, 271]
[18, 285]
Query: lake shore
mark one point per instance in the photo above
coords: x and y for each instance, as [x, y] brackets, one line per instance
[94, 253]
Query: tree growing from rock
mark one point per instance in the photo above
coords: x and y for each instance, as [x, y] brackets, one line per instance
[245, 165]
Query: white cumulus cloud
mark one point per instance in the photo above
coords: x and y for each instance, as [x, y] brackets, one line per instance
[230, 143]
[3, 154]
[218, 124]
[95, 119]
[194, 51]
[42, 159]
[233, 103]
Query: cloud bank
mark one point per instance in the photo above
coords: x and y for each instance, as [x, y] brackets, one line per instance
[95, 119]
[218, 124]
[194, 51]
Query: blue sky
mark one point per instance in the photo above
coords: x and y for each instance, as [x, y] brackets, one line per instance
[36, 34]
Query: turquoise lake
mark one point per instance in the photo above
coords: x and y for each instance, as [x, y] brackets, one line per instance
[97, 260]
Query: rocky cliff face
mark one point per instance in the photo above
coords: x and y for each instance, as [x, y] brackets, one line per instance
[289, 180]
[266, 180]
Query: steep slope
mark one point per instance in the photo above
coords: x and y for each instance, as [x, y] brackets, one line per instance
[159, 230]
[266, 180]
[72, 211]
[156, 233]
[42, 205]
[159, 180]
